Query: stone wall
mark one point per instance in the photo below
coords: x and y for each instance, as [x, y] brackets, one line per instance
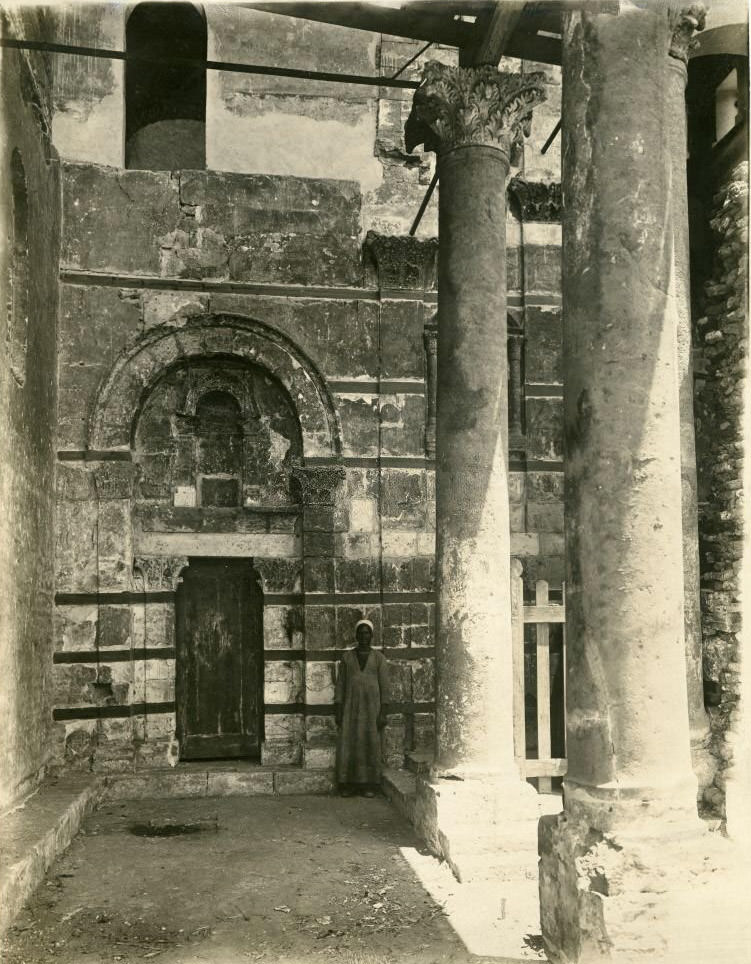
[281, 258]
[29, 213]
[722, 368]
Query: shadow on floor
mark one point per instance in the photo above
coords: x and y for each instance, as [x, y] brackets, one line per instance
[278, 880]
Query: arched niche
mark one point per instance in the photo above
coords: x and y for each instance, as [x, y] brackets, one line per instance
[219, 432]
[231, 337]
[165, 103]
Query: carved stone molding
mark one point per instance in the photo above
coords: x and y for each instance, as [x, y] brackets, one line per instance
[115, 480]
[460, 106]
[318, 483]
[534, 200]
[685, 23]
[160, 573]
[401, 261]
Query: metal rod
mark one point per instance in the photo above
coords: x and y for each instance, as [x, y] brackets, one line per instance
[411, 60]
[552, 137]
[210, 64]
[425, 202]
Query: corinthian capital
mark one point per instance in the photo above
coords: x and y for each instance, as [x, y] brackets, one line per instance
[685, 22]
[458, 106]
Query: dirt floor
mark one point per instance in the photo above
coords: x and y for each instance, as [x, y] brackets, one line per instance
[283, 880]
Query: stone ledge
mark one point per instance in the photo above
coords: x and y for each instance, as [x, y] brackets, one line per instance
[34, 834]
[217, 780]
[400, 788]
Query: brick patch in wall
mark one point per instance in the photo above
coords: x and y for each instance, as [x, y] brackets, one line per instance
[721, 360]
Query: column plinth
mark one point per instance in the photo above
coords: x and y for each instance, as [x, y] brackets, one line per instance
[612, 866]
[474, 118]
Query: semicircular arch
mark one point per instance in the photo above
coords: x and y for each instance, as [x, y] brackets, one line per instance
[121, 396]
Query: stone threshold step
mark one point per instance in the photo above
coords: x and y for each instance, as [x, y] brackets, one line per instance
[400, 789]
[217, 780]
[36, 832]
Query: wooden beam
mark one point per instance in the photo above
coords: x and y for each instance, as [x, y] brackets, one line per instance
[377, 19]
[415, 25]
[493, 33]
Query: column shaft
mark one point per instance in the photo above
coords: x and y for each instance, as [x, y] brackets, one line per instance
[474, 721]
[681, 293]
[628, 717]
[614, 866]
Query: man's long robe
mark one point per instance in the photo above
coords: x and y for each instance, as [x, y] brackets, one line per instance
[361, 693]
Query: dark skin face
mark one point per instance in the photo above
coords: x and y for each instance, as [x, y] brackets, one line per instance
[363, 635]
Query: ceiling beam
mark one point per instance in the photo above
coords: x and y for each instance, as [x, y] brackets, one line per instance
[402, 22]
[492, 34]
[413, 22]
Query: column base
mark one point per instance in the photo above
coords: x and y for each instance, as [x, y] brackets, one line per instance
[648, 892]
[482, 827]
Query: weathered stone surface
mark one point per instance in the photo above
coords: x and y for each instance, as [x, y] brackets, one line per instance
[114, 626]
[721, 336]
[30, 227]
[423, 680]
[542, 269]
[400, 681]
[393, 741]
[545, 516]
[543, 346]
[284, 681]
[402, 419]
[284, 726]
[318, 573]
[357, 575]
[281, 753]
[303, 781]
[75, 627]
[359, 419]
[211, 225]
[544, 428]
[319, 683]
[401, 339]
[423, 731]
[629, 790]
[320, 626]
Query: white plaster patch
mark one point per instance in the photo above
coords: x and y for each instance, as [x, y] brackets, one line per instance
[363, 515]
[185, 496]
[218, 544]
[398, 543]
[278, 143]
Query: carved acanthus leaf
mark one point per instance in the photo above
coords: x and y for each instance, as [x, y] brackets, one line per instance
[318, 483]
[685, 23]
[459, 106]
[534, 200]
[160, 573]
[402, 261]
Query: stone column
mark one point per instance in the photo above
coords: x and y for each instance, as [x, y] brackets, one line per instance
[430, 339]
[614, 864]
[474, 118]
[686, 23]
[516, 386]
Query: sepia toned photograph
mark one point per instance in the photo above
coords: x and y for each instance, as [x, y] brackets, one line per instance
[375, 552]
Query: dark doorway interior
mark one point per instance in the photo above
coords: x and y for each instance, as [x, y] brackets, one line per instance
[219, 686]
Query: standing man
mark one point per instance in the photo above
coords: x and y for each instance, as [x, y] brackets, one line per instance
[361, 695]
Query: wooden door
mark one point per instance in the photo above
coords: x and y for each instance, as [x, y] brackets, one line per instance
[219, 685]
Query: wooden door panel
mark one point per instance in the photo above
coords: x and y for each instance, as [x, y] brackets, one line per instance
[220, 660]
